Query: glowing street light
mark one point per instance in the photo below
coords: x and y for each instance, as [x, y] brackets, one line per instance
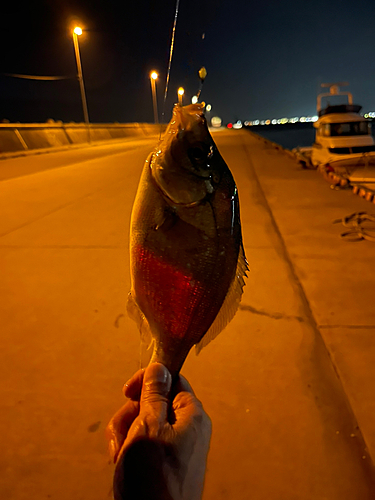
[77, 31]
[180, 93]
[153, 77]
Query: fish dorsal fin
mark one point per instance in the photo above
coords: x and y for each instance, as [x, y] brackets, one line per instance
[230, 304]
[137, 315]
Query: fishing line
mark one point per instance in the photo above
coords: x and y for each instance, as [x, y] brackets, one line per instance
[169, 64]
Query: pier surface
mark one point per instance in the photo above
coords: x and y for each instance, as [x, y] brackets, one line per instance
[289, 384]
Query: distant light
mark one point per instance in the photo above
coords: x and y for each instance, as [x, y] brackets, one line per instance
[268, 122]
[274, 121]
[246, 123]
[302, 119]
[262, 122]
[230, 125]
[208, 107]
[216, 121]
[237, 125]
[283, 121]
[154, 75]
[77, 30]
[256, 122]
[278, 121]
[366, 115]
[194, 99]
[180, 91]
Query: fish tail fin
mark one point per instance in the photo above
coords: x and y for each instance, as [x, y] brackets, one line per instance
[230, 304]
[137, 315]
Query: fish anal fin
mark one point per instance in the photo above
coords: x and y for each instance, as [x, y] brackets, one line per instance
[230, 304]
[137, 315]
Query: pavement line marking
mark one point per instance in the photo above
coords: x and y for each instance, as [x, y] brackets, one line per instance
[275, 315]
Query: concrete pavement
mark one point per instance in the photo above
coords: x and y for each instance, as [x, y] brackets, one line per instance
[288, 384]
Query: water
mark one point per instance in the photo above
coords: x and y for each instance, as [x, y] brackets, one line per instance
[290, 136]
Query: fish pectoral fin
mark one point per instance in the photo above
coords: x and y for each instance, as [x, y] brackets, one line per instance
[230, 304]
[135, 313]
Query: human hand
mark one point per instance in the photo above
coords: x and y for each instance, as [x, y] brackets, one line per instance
[159, 439]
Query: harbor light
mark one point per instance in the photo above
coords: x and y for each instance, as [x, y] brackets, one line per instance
[216, 121]
[153, 78]
[77, 31]
[194, 99]
[180, 93]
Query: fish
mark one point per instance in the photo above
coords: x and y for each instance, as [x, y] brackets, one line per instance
[187, 261]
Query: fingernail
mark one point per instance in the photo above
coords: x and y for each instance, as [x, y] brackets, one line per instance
[157, 373]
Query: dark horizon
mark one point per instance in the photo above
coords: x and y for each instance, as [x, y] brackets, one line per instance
[263, 60]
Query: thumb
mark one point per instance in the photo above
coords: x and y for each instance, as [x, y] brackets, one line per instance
[154, 400]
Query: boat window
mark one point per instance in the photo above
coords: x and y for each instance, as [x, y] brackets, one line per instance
[351, 128]
[352, 150]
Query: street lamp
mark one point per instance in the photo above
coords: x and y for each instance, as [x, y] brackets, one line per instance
[77, 31]
[153, 77]
[180, 93]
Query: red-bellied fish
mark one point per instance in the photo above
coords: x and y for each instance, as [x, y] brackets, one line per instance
[187, 259]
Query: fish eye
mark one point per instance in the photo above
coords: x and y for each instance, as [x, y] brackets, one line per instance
[197, 154]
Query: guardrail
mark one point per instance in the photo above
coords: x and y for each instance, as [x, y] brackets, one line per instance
[20, 137]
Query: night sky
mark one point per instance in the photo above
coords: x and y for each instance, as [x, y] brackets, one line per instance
[265, 59]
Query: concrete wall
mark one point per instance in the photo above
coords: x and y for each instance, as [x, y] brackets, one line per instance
[18, 137]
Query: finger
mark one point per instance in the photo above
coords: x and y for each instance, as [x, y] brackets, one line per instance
[189, 414]
[132, 388]
[154, 400]
[119, 425]
[182, 385]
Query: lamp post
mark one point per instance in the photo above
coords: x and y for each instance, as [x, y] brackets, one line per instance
[76, 33]
[153, 77]
[180, 93]
[208, 113]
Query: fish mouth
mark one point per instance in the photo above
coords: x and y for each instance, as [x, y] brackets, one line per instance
[189, 117]
[193, 147]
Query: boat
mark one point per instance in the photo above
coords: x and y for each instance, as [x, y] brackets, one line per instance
[343, 140]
